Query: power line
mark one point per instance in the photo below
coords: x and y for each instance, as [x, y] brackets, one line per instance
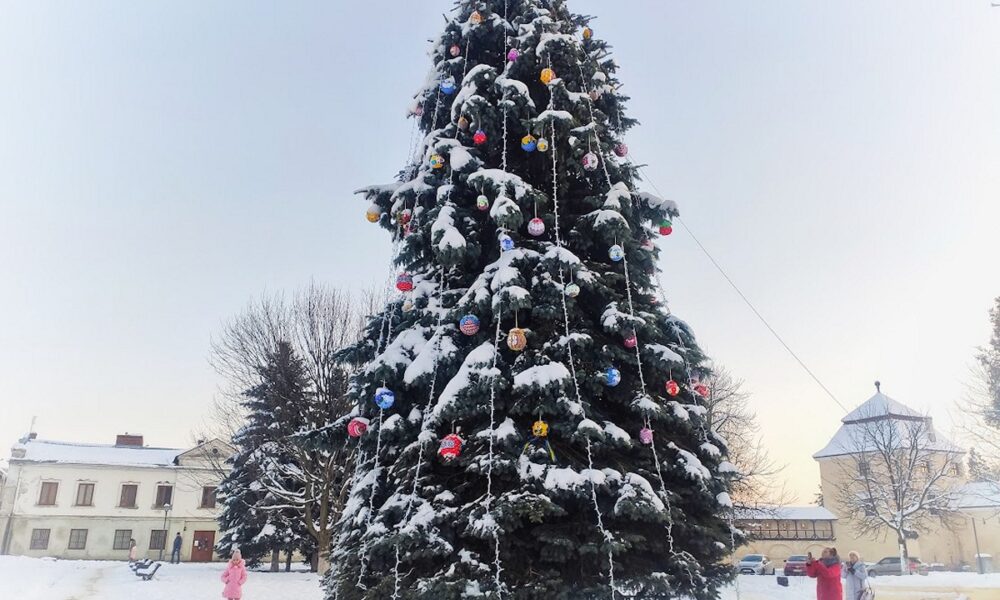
[746, 300]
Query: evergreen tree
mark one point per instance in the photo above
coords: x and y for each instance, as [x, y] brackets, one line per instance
[989, 360]
[586, 468]
[253, 518]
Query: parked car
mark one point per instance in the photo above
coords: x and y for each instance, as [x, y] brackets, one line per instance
[755, 564]
[796, 565]
[890, 566]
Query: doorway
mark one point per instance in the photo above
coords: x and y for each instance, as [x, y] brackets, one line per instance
[203, 546]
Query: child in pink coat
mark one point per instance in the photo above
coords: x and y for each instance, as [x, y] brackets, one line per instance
[234, 577]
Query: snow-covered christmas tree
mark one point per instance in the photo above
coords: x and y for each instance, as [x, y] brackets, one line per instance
[529, 417]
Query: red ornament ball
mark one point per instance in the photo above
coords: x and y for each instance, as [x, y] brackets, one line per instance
[479, 138]
[702, 390]
[631, 341]
[404, 282]
[672, 388]
[666, 228]
[621, 149]
[451, 447]
[357, 427]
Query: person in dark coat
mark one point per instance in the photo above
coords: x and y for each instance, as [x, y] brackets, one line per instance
[175, 556]
[826, 571]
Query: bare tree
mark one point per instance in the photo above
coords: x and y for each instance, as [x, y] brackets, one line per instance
[981, 406]
[730, 414]
[317, 323]
[898, 477]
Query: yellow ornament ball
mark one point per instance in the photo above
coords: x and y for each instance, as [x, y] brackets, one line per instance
[540, 429]
[588, 33]
[547, 75]
[516, 340]
[542, 145]
[476, 17]
[373, 214]
[437, 161]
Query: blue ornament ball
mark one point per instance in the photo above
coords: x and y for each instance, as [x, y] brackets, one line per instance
[506, 243]
[616, 253]
[384, 398]
[612, 376]
[469, 325]
[448, 86]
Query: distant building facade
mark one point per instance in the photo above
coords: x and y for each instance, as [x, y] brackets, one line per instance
[87, 501]
[780, 532]
[976, 505]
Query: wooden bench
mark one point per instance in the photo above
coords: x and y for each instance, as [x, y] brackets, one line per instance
[140, 564]
[147, 572]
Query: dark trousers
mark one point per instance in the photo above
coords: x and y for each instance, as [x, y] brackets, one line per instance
[175, 556]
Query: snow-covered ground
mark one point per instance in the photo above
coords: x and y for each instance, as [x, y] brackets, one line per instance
[41, 579]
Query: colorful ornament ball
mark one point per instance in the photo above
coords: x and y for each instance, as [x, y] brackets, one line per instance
[621, 149]
[612, 377]
[476, 17]
[616, 253]
[631, 341]
[672, 388]
[646, 435]
[572, 290]
[469, 324]
[448, 86]
[373, 214]
[517, 340]
[547, 75]
[540, 429]
[536, 227]
[513, 54]
[506, 242]
[405, 215]
[455, 50]
[666, 227]
[463, 123]
[482, 202]
[588, 33]
[529, 143]
[404, 282]
[437, 161]
[590, 161]
[479, 138]
[451, 447]
[357, 427]
[542, 145]
[702, 390]
[384, 398]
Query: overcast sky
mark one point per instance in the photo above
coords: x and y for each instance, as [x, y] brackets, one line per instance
[163, 162]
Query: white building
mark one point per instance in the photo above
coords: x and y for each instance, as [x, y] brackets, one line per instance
[87, 501]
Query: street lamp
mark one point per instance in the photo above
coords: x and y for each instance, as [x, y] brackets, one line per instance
[166, 510]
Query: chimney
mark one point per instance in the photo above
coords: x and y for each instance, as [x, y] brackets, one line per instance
[132, 441]
[32, 436]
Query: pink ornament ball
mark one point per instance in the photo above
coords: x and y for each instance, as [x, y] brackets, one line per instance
[513, 54]
[455, 50]
[621, 150]
[631, 341]
[536, 227]
[479, 138]
[646, 435]
[702, 390]
[357, 427]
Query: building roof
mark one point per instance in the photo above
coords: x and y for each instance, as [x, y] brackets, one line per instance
[46, 451]
[789, 513]
[851, 438]
[978, 494]
[880, 405]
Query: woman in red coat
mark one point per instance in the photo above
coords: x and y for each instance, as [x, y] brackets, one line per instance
[826, 570]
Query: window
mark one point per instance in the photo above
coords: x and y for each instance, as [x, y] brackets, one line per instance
[77, 539]
[863, 468]
[163, 495]
[208, 497]
[85, 494]
[47, 497]
[129, 492]
[122, 539]
[39, 539]
[158, 539]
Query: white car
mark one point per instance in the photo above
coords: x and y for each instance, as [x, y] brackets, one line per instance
[755, 564]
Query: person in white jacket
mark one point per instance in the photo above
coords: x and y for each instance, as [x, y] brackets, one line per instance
[855, 577]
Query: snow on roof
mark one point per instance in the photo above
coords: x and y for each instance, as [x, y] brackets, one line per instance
[880, 405]
[851, 438]
[93, 454]
[788, 513]
[978, 494]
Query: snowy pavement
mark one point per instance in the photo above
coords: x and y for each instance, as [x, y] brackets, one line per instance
[43, 579]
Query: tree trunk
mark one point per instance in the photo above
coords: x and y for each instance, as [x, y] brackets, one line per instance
[275, 560]
[323, 552]
[288, 561]
[903, 566]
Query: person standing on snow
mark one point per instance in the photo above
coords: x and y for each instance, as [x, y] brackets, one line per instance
[855, 577]
[234, 577]
[826, 570]
[133, 551]
[175, 555]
